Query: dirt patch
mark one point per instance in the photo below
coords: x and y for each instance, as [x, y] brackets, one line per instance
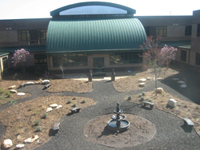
[140, 131]
[184, 109]
[20, 119]
[60, 85]
[4, 85]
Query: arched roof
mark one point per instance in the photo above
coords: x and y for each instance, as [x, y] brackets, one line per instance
[79, 5]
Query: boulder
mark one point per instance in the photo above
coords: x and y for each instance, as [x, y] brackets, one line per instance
[53, 105]
[149, 78]
[183, 86]
[13, 91]
[12, 87]
[31, 139]
[49, 109]
[29, 83]
[160, 90]
[142, 84]
[181, 82]
[7, 143]
[142, 80]
[159, 79]
[59, 106]
[172, 102]
[18, 146]
[20, 94]
[175, 79]
[45, 82]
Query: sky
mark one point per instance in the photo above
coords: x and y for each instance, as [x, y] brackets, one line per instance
[24, 9]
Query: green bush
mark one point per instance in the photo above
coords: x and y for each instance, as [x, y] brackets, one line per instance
[83, 101]
[45, 115]
[8, 93]
[1, 91]
[129, 98]
[142, 98]
[149, 99]
[69, 101]
[74, 98]
[74, 104]
[38, 128]
[140, 95]
[37, 122]
[143, 93]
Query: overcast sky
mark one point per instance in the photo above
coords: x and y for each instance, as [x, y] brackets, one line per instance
[21, 9]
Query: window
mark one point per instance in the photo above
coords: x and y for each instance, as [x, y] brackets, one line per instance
[188, 30]
[183, 55]
[23, 35]
[125, 58]
[147, 31]
[161, 31]
[5, 63]
[40, 59]
[42, 34]
[198, 59]
[198, 30]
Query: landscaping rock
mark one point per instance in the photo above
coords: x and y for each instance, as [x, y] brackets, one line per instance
[13, 91]
[12, 87]
[18, 146]
[59, 106]
[31, 139]
[28, 140]
[181, 82]
[160, 90]
[7, 143]
[19, 137]
[53, 105]
[49, 109]
[29, 83]
[175, 79]
[45, 82]
[149, 78]
[172, 102]
[142, 80]
[20, 94]
[159, 79]
[183, 86]
[142, 84]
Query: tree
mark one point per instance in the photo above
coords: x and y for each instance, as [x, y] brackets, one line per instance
[21, 59]
[157, 56]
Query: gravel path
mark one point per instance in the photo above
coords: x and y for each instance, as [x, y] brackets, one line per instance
[170, 133]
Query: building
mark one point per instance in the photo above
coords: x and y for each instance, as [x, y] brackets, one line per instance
[98, 36]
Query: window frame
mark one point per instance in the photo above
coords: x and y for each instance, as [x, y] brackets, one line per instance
[5, 63]
[163, 29]
[183, 56]
[188, 30]
[22, 33]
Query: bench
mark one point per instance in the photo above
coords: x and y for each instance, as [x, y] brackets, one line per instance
[56, 126]
[148, 103]
[47, 86]
[73, 110]
[188, 122]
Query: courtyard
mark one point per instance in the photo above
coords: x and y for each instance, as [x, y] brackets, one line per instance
[98, 99]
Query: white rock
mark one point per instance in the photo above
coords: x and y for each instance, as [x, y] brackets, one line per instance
[45, 82]
[20, 93]
[53, 105]
[29, 83]
[160, 90]
[183, 86]
[175, 79]
[59, 106]
[20, 146]
[159, 78]
[13, 91]
[35, 138]
[142, 84]
[142, 80]
[181, 82]
[30, 140]
[7, 143]
[49, 109]
[12, 87]
[172, 102]
[149, 78]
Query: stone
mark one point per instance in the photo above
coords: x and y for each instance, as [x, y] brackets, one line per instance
[181, 82]
[149, 78]
[12, 87]
[49, 109]
[31, 139]
[28, 140]
[7, 143]
[38, 82]
[29, 83]
[20, 93]
[142, 80]
[159, 79]
[142, 84]
[53, 105]
[175, 79]
[59, 106]
[45, 82]
[13, 91]
[20, 146]
[160, 90]
[19, 137]
[172, 103]
[183, 86]
[56, 126]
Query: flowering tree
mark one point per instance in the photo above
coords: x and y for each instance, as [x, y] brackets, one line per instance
[22, 58]
[157, 56]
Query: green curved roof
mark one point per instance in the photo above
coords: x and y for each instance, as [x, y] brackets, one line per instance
[98, 35]
[57, 11]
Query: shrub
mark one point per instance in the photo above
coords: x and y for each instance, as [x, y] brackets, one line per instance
[1, 91]
[74, 104]
[69, 101]
[129, 98]
[83, 101]
[149, 99]
[143, 93]
[45, 115]
[74, 98]
[142, 98]
[38, 128]
[140, 95]
[8, 93]
[37, 122]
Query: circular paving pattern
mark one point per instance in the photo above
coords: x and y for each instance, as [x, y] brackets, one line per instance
[140, 131]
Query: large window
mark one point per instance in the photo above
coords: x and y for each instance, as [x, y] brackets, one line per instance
[42, 34]
[23, 35]
[125, 58]
[161, 31]
[5, 63]
[183, 55]
[198, 59]
[70, 60]
[40, 59]
[188, 30]
[198, 30]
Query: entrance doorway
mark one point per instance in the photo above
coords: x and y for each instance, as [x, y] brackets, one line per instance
[98, 64]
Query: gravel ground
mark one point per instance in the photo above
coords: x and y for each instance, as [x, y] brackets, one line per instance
[170, 133]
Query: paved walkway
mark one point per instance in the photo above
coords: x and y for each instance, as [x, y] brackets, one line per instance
[170, 134]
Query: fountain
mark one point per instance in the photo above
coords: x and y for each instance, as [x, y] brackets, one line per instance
[118, 122]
